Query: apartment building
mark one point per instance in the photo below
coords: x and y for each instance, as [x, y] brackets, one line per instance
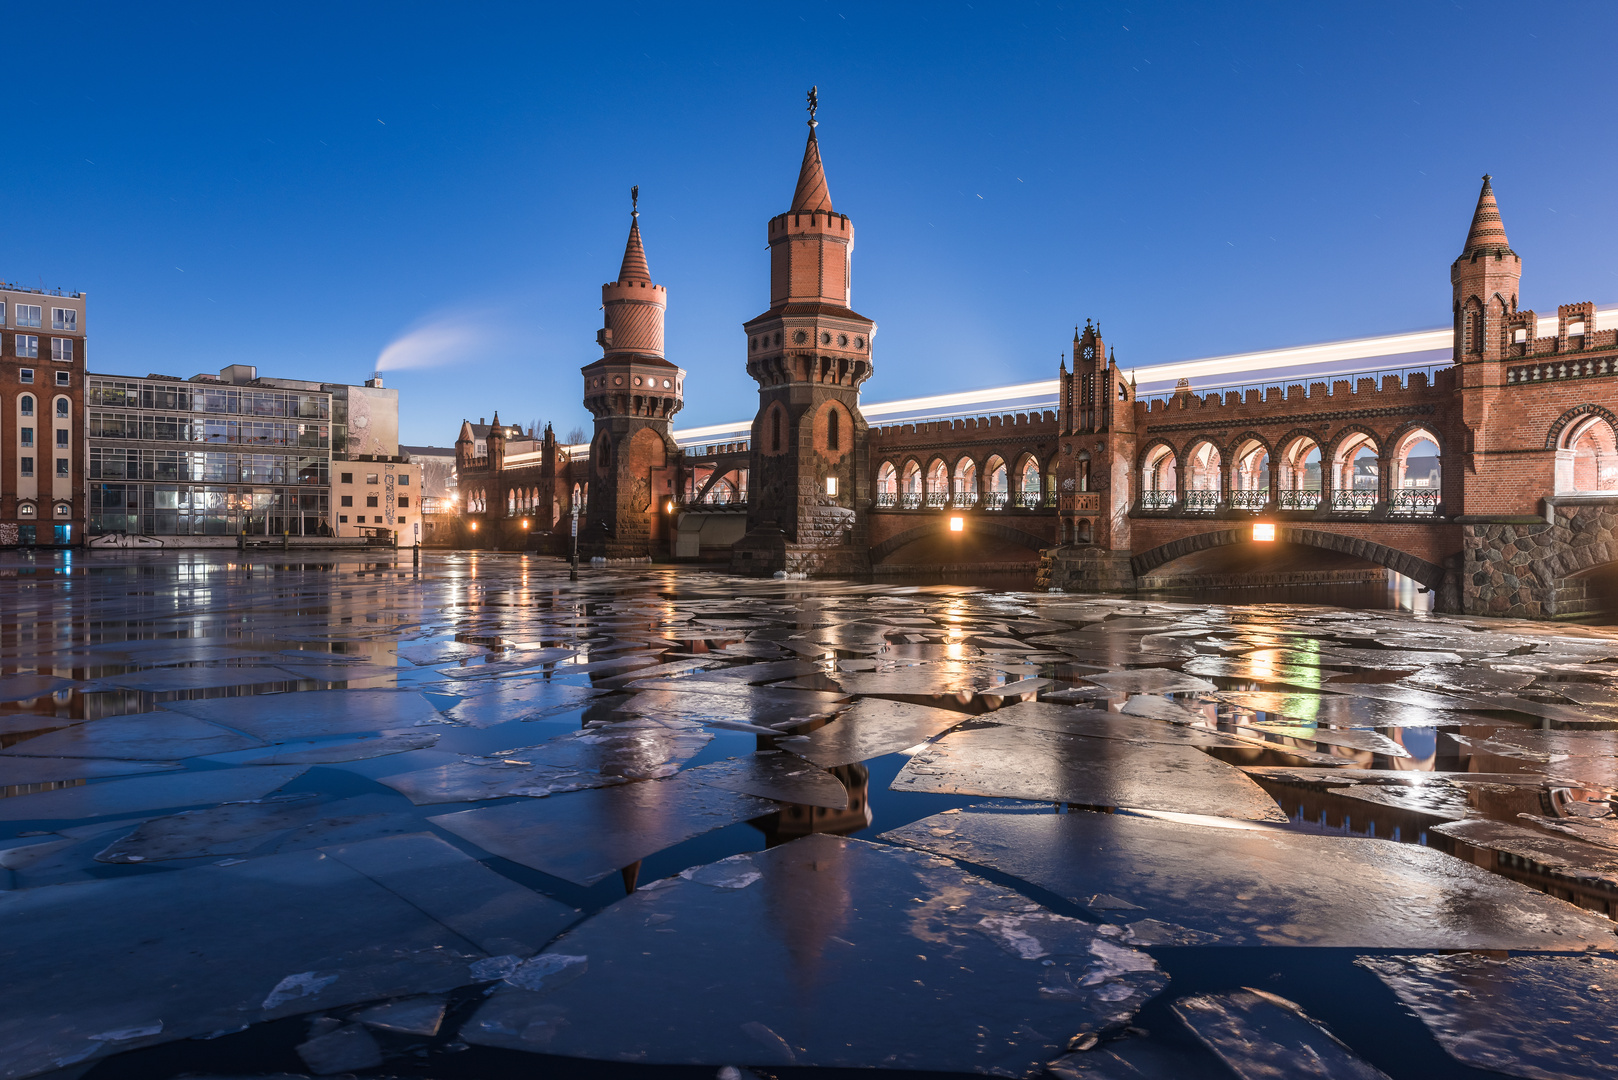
[42, 463]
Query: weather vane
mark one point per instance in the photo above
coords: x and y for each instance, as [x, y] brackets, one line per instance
[634, 201]
[814, 103]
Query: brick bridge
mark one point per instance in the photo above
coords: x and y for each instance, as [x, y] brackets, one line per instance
[1490, 479]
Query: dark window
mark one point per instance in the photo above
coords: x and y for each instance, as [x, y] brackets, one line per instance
[404, 480]
[775, 431]
[370, 500]
[832, 434]
[404, 500]
[348, 500]
[342, 519]
[348, 478]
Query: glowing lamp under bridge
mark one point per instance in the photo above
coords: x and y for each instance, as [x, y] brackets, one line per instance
[1264, 532]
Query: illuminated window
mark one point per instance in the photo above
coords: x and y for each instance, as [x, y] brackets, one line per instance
[957, 524]
[1264, 532]
[831, 481]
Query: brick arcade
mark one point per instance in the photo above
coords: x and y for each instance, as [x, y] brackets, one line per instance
[1491, 480]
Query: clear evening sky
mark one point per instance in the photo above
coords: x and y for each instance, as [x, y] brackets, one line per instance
[300, 186]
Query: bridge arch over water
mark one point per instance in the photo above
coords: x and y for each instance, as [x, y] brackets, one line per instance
[1418, 569]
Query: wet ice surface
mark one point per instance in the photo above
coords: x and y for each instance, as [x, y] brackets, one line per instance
[361, 795]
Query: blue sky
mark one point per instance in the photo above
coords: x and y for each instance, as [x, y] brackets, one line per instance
[298, 186]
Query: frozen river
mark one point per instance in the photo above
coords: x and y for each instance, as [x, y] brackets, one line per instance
[475, 819]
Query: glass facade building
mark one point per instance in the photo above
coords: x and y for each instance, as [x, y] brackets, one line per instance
[204, 457]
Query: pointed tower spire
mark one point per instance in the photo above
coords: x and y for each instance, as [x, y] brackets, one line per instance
[634, 267]
[812, 193]
[1488, 233]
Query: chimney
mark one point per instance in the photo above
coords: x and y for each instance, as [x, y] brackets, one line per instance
[374, 382]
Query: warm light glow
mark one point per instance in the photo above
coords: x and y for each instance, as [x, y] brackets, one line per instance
[957, 524]
[474, 526]
[831, 485]
[1263, 531]
[525, 523]
[668, 507]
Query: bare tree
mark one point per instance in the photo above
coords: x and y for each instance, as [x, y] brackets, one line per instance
[576, 436]
[437, 476]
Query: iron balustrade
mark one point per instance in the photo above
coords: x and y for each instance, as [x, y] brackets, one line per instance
[1159, 500]
[887, 498]
[910, 500]
[965, 499]
[1355, 502]
[1298, 499]
[1414, 502]
[995, 500]
[1201, 502]
[1254, 499]
[937, 499]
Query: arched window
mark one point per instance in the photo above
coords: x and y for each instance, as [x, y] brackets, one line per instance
[833, 436]
[1356, 474]
[1082, 470]
[937, 483]
[1028, 484]
[27, 403]
[1300, 475]
[910, 485]
[1159, 479]
[887, 484]
[578, 498]
[1250, 477]
[1416, 485]
[775, 430]
[1587, 458]
[997, 485]
[61, 407]
[1202, 477]
[966, 482]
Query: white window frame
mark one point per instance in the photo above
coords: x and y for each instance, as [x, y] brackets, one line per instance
[28, 346]
[26, 314]
[62, 350]
[63, 379]
[26, 375]
[65, 318]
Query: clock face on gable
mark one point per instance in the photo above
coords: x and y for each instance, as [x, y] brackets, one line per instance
[1089, 352]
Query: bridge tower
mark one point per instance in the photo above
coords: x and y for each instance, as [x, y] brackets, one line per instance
[1096, 413]
[1485, 279]
[633, 392]
[809, 481]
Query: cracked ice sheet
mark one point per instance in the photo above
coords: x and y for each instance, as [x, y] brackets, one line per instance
[265, 827]
[495, 701]
[585, 836]
[1150, 681]
[825, 952]
[764, 706]
[16, 771]
[871, 728]
[925, 679]
[213, 948]
[314, 713]
[775, 774]
[1339, 710]
[1261, 886]
[597, 756]
[1549, 1017]
[1260, 1036]
[172, 791]
[157, 736]
[1028, 763]
[28, 687]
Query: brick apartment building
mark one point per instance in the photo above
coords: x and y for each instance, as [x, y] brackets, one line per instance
[42, 357]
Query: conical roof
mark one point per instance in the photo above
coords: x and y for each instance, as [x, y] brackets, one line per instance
[466, 431]
[634, 267]
[1488, 233]
[812, 193]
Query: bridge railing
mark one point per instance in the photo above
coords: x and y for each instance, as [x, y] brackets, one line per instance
[1201, 502]
[710, 502]
[965, 499]
[1280, 383]
[1252, 499]
[1353, 502]
[887, 499]
[1159, 500]
[1297, 499]
[1414, 502]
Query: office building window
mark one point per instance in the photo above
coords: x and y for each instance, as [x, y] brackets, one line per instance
[64, 318]
[26, 374]
[61, 407]
[27, 509]
[62, 350]
[27, 467]
[28, 345]
[348, 500]
[371, 478]
[401, 519]
[64, 378]
[27, 404]
[348, 478]
[342, 519]
[404, 500]
[404, 480]
[27, 436]
[61, 438]
[27, 314]
[62, 466]
[378, 520]
[370, 500]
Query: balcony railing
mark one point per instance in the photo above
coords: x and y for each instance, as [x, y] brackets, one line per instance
[1159, 500]
[996, 500]
[1297, 499]
[1081, 502]
[937, 500]
[1201, 502]
[910, 500]
[1414, 502]
[887, 498]
[1353, 502]
[965, 499]
[1254, 499]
